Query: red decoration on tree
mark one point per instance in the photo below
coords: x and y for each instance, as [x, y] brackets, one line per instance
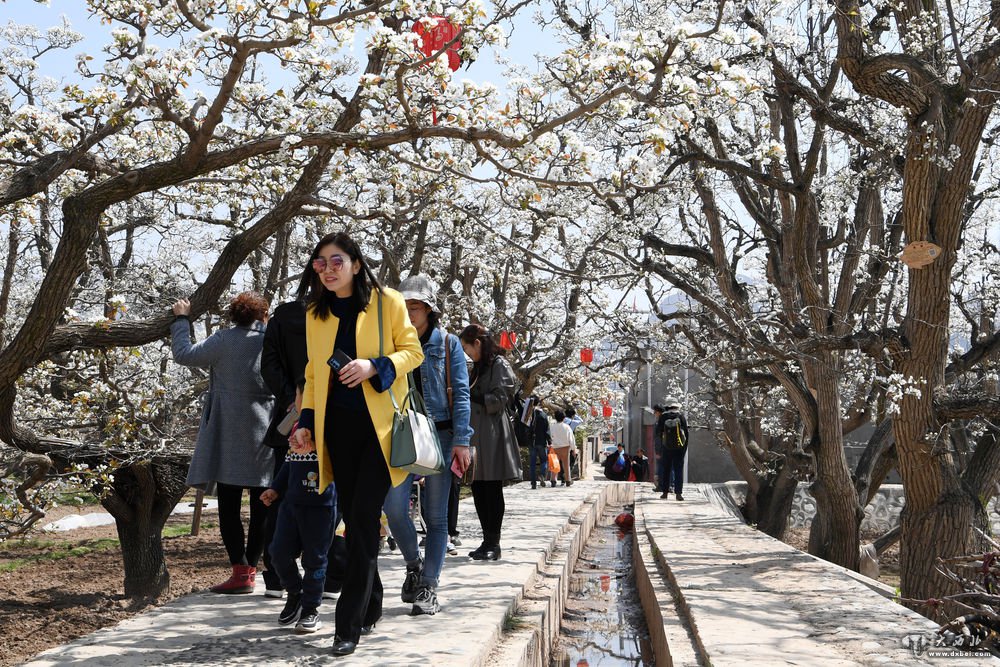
[434, 38]
[507, 340]
[593, 411]
[586, 356]
[607, 410]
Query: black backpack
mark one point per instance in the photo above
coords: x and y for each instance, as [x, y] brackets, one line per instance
[671, 433]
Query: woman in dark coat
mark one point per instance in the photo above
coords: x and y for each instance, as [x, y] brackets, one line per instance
[230, 456]
[491, 387]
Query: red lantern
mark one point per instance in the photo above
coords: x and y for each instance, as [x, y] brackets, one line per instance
[607, 411]
[434, 38]
[507, 340]
[582, 663]
[593, 411]
[586, 356]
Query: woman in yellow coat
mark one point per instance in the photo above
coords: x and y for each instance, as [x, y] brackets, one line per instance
[347, 412]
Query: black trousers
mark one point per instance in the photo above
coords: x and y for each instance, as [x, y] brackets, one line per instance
[336, 556]
[362, 478]
[453, 507]
[675, 465]
[243, 548]
[488, 497]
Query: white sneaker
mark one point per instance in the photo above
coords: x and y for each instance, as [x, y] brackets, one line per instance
[452, 549]
[274, 593]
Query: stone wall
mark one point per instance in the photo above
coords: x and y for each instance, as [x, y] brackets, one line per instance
[881, 515]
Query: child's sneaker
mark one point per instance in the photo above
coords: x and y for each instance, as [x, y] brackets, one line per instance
[291, 611]
[308, 622]
[426, 602]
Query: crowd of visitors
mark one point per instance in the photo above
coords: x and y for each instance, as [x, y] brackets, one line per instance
[299, 414]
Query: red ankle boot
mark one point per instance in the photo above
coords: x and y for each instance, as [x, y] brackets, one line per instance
[242, 581]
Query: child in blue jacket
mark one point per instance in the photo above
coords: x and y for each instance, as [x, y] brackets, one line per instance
[304, 528]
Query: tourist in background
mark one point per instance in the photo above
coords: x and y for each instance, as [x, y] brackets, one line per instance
[230, 456]
[491, 386]
[540, 438]
[562, 440]
[673, 430]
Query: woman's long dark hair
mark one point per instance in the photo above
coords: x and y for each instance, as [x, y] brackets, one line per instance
[319, 298]
[489, 350]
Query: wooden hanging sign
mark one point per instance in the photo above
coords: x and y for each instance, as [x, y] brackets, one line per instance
[919, 254]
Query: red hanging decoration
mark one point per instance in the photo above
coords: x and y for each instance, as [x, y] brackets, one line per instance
[593, 411]
[434, 38]
[607, 410]
[586, 356]
[508, 339]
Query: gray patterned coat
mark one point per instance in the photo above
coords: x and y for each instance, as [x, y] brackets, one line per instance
[493, 432]
[237, 407]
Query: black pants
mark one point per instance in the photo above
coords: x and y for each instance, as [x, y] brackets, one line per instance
[243, 548]
[362, 478]
[488, 497]
[675, 464]
[336, 556]
[453, 507]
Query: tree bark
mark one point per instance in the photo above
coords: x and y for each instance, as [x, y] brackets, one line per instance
[835, 531]
[141, 499]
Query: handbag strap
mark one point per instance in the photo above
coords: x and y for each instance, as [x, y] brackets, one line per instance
[447, 375]
[381, 350]
[413, 396]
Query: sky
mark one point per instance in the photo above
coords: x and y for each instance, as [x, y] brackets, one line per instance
[526, 40]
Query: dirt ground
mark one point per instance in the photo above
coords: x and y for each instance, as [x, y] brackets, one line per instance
[888, 561]
[48, 601]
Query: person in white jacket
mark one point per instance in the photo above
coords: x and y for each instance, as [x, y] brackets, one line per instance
[562, 440]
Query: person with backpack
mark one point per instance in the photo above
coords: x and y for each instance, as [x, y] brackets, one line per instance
[672, 429]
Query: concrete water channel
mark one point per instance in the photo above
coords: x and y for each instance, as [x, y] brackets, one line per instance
[603, 622]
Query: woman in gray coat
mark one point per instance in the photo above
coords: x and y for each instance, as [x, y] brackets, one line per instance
[230, 456]
[491, 384]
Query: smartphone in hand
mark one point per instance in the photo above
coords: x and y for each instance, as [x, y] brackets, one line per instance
[286, 424]
[338, 360]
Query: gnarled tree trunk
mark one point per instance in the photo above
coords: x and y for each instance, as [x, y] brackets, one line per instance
[142, 497]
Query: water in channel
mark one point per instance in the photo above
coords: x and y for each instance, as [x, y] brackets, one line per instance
[603, 623]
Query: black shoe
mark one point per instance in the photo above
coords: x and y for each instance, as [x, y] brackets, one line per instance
[486, 552]
[533, 485]
[664, 495]
[292, 610]
[553, 484]
[343, 646]
[367, 629]
[308, 622]
[680, 497]
[411, 582]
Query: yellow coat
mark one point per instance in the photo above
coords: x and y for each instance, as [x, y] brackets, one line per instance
[401, 345]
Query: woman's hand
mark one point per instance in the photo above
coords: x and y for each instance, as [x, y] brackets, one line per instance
[356, 372]
[268, 497]
[462, 457]
[301, 441]
[182, 307]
